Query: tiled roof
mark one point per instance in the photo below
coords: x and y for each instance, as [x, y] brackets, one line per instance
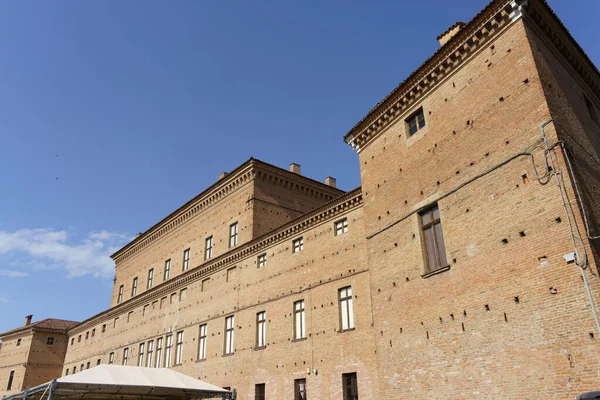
[48, 323]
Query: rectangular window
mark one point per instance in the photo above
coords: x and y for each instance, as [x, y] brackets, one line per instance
[173, 298]
[179, 348]
[111, 358]
[72, 341]
[298, 245]
[183, 294]
[167, 273]
[81, 368]
[103, 328]
[208, 248]
[261, 329]
[259, 391]
[150, 278]
[75, 369]
[231, 274]
[415, 122]
[50, 341]
[87, 335]
[435, 251]
[78, 338]
[346, 310]
[262, 260]
[145, 310]
[120, 298]
[134, 286]
[10, 380]
[341, 226]
[229, 325]
[299, 320]
[202, 342]
[125, 355]
[141, 355]
[205, 283]
[159, 350]
[150, 354]
[66, 371]
[300, 389]
[93, 332]
[350, 386]
[186, 259]
[87, 366]
[163, 302]
[591, 108]
[98, 361]
[233, 235]
[129, 315]
[168, 350]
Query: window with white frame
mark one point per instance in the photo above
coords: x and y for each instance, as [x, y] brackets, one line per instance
[186, 259]
[111, 358]
[261, 329]
[125, 355]
[202, 342]
[141, 355]
[150, 354]
[168, 350]
[134, 286]
[233, 234]
[167, 273]
[159, 352]
[229, 330]
[341, 226]
[208, 248]
[297, 245]
[346, 310]
[120, 297]
[150, 278]
[299, 320]
[262, 260]
[179, 348]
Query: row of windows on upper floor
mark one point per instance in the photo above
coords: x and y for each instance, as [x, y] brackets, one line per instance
[163, 356]
[49, 342]
[340, 227]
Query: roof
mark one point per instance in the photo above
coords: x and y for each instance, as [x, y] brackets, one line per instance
[126, 382]
[45, 324]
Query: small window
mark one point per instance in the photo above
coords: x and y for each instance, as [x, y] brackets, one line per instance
[103, 328]
[87, 335]
[341, 227]
[141, 355]
[233, 235]
[93, 332]
[115, 322]
[431, 229]
[179, 348]
[167, 273]
[98, 361]
[415, 122]
[202, 342]
[231, 274]
[18, 342]
[297, 245]
[145, 310]
[350, 386]
[120, 297]
[111, 358]
[186, 259]
[300, 389]
[74, 369]
[134, 286]
[262, 260]
[259, 391]
[129, 315]
[81, 368]
[229, 327]
[163, 302]
[159, 352]
[72, 341]
[79, 339]
[591, 108]
[168, 351]
[261, 329]
[150, 354]
[183, 294]
[150, 278]
[10, 380]
[173, 298]
[66, 371]
[87, 366]
[346, 309]
[299, 320]
[208, 248]
[205, 284]
[125, 355]
[50, 341]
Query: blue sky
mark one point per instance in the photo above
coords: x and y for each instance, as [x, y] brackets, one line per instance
[114, 113]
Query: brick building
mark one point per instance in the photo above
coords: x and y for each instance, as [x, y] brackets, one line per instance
[464, 267]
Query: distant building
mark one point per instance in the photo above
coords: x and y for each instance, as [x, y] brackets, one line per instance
[466, 266]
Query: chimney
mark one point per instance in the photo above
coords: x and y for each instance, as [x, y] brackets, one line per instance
[137, 235]
[450, 32]
[329, 181]
[28, 320]
[223, 175]
[295, 168]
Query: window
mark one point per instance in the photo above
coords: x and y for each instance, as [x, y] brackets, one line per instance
[231, 274]
[300, 389]
[87, 335]
[98, 361]
[78, 338]
[350, 386]
[298, 245]
[202, 342]
[81, 368]
[145, 310]
[150, 278]
[134, 286]
[262, 260]
[186, 259]
[415, 122]
[205, 283]
[346, 310]
[125, 355]
[93, 332]
[141, 355]
[72, 341]
[66, 371]
[167, 273]
[261, 329]
[229, 345]
[233, 234]
[341, 226]
[259, 391]
[179, 348]
[129, 315]
[435, 252]
[18, 342]
[103, 328]
[120, 298]
[50, 341]
[87, 366]
[150, 353]
[163, 301]
[299, 320]
[159, 347]
[183, 294]
[208, 248]
[168, 349]
[10, 380]
[591, 109]
[75, 369]
[115, 322]
[173, 298]
[111, 358]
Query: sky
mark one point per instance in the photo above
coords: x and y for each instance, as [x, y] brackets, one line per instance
[115, 113]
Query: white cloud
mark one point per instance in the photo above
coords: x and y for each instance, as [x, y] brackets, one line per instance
[51, 249]
[12, 273]
[4, 298]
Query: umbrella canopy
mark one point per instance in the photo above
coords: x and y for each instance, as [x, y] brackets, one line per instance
[124, 383]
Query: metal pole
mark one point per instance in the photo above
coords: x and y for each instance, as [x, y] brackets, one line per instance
[52, 387]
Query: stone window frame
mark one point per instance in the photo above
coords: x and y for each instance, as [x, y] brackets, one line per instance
[346, 309]
[340, 226]
[261, 260]
[415, 122]
[298, 245]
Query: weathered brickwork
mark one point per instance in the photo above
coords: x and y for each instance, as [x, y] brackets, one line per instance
[504, 314]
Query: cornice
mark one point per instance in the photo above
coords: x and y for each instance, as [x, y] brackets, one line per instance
[329, 211]
[483, 27]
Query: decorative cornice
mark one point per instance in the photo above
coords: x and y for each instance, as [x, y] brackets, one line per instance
[487, 24]
[322, 214]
